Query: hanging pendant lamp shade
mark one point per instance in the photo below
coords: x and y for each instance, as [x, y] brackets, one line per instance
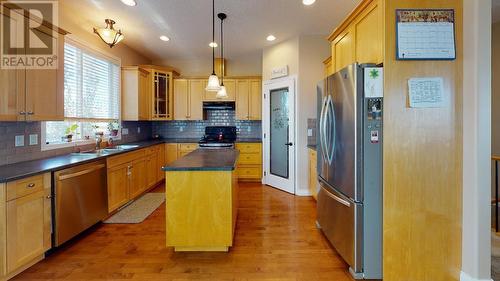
[222, 93]
[109, 34]
[213, 80]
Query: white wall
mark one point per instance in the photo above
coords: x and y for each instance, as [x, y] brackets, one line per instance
[244, 65]
[304, 56]
[476, 245]
[495, 89]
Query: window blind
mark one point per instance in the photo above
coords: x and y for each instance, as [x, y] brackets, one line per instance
[91, 86]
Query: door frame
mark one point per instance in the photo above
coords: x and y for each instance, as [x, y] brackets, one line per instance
[267, 179]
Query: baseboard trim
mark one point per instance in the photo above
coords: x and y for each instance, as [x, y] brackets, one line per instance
[466, 277]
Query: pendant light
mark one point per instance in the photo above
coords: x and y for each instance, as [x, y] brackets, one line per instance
[213, 80]
[222, 93]
[109, 34]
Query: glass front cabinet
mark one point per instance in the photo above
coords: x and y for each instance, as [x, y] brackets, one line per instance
[162, 101]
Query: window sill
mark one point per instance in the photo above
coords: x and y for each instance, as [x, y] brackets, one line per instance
[52, 146]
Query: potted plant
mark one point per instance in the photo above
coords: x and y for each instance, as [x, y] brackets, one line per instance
[70, 131]
[113, 128]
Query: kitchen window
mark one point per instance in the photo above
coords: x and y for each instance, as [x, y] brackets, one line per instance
[91, 99]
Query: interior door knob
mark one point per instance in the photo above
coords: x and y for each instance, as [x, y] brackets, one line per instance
[289, 144]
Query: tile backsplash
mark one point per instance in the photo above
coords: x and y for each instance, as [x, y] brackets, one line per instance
[196, 129]
[9, 153]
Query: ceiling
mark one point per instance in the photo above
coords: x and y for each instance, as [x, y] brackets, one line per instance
[188, 23]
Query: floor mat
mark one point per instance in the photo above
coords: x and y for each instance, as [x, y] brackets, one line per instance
[139, 210]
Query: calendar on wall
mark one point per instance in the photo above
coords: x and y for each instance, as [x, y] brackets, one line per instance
[427, 34]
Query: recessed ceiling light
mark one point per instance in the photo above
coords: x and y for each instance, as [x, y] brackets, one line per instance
[271, 38]
[213, 44]
[164, 38]
[129, 2]
[308, 2]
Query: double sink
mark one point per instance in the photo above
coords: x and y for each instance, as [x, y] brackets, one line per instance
[106, 151]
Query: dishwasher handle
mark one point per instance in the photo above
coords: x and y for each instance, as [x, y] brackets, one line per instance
[82, 172]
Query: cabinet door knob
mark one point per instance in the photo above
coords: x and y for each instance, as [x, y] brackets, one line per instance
[48, 196]
[22, 112]
[30, 185]
[30, 112]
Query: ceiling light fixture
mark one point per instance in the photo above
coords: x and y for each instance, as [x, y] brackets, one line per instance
[270, 38]
[108, 34]
[213, 81]
[308, 2]
[222, 93]
[164, 38]
[213, 45]
[129, 2]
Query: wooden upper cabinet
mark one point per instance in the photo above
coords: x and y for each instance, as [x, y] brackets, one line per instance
[328, 63]
[196, 93]
[360, 37]
[230, 85]
[242, 99]
[188, 99]
[255, 100]
[343, 49]
[136, 94]
[181, 97]
[369, 35]
[45, 88]
[162, 108]
[34, 94]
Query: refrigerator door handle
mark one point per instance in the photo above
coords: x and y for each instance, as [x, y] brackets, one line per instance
[322, 130]
[331, 145]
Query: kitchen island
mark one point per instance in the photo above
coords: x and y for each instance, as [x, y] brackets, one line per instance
[202, 200]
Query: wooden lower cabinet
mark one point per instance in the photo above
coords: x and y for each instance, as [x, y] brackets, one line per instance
[250, 162]
[131, 174]
[118, 179]
[171, 152]
[313, 174]
[186, 148]
[26, 224]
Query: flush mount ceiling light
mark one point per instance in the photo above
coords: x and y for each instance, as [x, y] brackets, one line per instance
[213, 81]
[270, 38]
[222, 93]
[164, 38]
[108, 34]
[129, 2]
[308, 2]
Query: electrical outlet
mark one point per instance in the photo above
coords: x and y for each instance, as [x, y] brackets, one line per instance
[138, 130]
[33, 139]
[124, 131]
[181, 129]
[20, 140]
[309, 132]
[249, 129]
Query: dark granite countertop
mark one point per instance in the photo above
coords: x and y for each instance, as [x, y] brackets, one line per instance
[206, 160]
[249, 140]
[311, 146]
[21, 170]
[30, 168]
[195, 140]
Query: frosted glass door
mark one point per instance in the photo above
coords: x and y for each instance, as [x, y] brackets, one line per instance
[279, 133]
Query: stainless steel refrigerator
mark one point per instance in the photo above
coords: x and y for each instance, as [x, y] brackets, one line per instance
[350, 104]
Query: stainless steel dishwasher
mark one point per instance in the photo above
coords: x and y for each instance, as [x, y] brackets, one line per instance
[80, 199]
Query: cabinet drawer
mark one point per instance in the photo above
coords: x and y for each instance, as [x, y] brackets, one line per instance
[125, 158]
[23, 187]
[249, 172]
[183, 147]
[250, 158]
[249, 147]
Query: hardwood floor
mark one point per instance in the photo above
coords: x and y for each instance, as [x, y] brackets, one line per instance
[276, 239]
